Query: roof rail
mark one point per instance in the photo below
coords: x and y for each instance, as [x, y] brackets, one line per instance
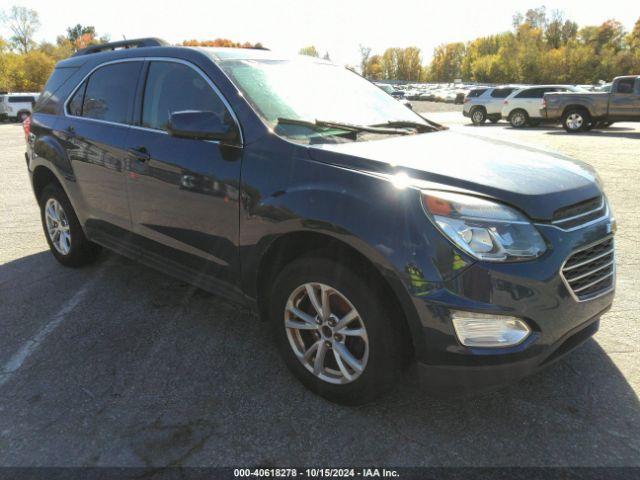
[134, 43]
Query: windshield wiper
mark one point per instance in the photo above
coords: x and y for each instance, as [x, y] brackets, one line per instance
[420, 127]
[349, 127]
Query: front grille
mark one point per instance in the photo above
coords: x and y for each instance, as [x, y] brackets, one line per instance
[590, 272]
[580, 213]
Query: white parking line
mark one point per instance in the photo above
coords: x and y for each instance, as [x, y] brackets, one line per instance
[29, 347]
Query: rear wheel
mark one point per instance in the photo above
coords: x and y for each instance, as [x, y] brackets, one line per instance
[518, 118]
[65, 237]
[22, 116]
[478, 116]
[334, 332]
[576, 120]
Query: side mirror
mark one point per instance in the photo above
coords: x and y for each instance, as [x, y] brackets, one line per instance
[202, 125]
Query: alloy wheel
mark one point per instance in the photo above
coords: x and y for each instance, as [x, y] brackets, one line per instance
[57, 226]
[326, 333]
[477, 117]
[575, 121]
[518, 119]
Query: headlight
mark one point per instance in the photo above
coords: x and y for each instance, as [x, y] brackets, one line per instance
[484, 229]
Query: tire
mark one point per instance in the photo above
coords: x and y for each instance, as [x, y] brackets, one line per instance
[494, 120]
[478, 116]
[519, 118]
[379, 351]
[576, 120]
[22, 116]
[57, 215]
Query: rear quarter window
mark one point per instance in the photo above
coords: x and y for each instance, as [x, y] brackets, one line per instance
[48, 101]
[476, 92]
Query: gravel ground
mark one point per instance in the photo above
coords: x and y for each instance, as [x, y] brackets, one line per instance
[117, 364]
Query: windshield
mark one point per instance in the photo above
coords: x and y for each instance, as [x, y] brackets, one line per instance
[311, 90]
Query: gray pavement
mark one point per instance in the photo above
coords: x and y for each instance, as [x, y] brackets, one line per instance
[116, 364]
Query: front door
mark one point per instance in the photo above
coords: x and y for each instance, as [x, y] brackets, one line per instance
[183, 193]
[624, 103]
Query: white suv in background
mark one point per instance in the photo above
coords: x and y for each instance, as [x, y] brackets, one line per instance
[522, 107]
[485, 103]
[17, 106]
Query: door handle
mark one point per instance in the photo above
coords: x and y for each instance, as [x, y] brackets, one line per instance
[140, 153]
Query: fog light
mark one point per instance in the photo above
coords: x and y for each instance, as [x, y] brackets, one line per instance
[481, 330]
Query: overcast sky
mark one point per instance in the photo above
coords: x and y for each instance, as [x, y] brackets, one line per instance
[336, 26]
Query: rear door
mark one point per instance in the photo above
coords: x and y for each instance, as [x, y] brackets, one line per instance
[94, 132]
[184, 192]
[624, 101]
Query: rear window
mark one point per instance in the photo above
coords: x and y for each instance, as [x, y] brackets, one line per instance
[476, 92]
[21, 99]
[501, 92]
[534, 92]
[47, 102]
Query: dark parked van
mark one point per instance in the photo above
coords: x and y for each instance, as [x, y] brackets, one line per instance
[369, 237]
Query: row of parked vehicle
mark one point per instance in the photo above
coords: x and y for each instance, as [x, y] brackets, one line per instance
[577, 107]
[432, 92]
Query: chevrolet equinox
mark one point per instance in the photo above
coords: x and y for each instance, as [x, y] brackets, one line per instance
[369, 237]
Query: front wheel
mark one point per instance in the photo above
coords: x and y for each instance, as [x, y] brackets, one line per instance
[62, 229]
[334, 332]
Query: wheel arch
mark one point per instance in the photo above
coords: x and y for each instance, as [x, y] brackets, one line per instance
[294, 245]
[43, 176]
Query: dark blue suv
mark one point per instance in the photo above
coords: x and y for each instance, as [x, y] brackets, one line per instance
[369, 237]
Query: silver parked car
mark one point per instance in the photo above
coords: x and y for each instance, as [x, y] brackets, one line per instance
[485, 103]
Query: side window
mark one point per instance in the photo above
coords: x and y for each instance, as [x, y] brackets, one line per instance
[74, 107]
[174, 87]
[526, 93]
[501, 92]
[626, 85]
[110, 91]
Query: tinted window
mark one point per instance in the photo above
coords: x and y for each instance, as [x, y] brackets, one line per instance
[174, 87]
[110, 91]
[75, 104]
[501, 92]
[476, 92]
[21, 99]
[626, 85]
[47, 101]
[533, 93]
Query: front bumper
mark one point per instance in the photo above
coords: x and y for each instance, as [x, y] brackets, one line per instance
[533, 291]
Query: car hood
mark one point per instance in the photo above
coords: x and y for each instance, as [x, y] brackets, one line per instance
[536, 181]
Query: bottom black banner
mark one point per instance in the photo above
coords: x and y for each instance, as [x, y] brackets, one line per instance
[404, 473]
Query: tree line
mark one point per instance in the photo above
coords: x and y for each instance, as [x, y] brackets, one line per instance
[541, 48]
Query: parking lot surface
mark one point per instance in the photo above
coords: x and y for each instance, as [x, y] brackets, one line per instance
[117, 364]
